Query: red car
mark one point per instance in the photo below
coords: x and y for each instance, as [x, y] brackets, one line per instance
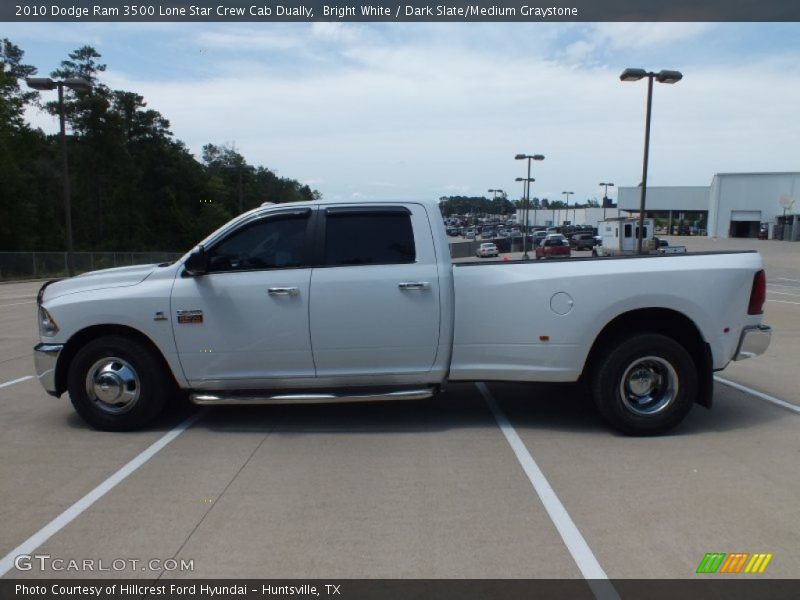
[553, 246]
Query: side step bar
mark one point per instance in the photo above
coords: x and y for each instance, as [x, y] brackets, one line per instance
[205, 399]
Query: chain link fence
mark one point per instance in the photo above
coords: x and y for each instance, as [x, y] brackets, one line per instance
[42, 265]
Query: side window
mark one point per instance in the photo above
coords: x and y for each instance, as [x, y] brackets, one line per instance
[369, 238]
[277, 242]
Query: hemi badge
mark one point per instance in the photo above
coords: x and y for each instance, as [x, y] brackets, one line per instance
[190, 316]
[160, 316]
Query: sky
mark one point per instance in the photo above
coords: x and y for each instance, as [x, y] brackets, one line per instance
[401, 111]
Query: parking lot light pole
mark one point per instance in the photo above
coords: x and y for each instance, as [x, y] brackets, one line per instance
[525, 214]
[528, 181]
[663, 76]
[567, 195]
[605, 196]
[74, 83]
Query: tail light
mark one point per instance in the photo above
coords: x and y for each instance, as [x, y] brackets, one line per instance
[758, 295]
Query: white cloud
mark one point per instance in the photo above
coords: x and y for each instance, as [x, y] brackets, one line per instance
[641, 35]
[357, 110]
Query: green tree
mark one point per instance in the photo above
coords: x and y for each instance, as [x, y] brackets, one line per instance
[134, 187]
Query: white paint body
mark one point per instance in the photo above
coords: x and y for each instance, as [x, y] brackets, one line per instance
[353, 326]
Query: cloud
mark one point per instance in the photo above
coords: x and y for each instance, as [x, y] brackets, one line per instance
[620, 36]
[434, 110]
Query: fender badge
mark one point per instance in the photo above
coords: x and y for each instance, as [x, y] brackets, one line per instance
[190, 316]
[160, 316]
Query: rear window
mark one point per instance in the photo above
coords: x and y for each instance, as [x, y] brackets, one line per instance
[369, 238]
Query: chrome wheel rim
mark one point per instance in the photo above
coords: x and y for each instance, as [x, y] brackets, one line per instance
[112, 384]
[648, 386]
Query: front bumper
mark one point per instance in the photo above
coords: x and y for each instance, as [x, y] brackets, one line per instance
[754, 342]
[45, 357]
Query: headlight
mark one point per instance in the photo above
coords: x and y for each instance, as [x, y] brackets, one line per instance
[47, 325]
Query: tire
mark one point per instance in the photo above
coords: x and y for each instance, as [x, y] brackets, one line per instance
[645, 384]
[117, 383]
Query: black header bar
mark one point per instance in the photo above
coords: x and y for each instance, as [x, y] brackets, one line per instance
[533, 11]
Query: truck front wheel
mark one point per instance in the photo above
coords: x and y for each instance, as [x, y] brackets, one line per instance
[645, 384]
[117, 383]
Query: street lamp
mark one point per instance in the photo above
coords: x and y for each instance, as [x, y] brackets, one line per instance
[662, 77]
[494, 194]
[77, 84]
[605, 196]
[525, 213]
[567, 195]
[529, 158]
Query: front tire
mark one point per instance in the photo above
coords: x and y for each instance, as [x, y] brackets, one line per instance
[117, 383]
[645, 384]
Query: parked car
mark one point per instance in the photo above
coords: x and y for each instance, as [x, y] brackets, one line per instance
[487, 233]
[663, 247]
[553, 246]
[582, 241]
[538, 236]
[487, 249]
[469, 234]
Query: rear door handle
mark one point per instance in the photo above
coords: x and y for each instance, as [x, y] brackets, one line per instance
[414, 285]
[283, 291]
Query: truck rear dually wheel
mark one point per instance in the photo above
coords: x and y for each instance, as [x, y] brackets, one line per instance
[117, 383]
[645, 384]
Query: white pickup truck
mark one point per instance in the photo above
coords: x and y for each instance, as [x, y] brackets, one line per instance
[322, 302]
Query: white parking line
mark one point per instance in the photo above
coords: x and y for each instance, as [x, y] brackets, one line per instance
[784, 293]
[787, 279]
[782, 301]
[791, 287]
[576, 544]
[13, 381]
[66, 517]
[762, 395]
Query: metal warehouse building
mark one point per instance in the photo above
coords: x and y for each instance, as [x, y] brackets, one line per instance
[734, 205]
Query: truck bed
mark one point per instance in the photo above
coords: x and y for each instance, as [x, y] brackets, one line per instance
[536, 320]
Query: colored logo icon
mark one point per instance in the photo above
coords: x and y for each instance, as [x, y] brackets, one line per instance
[736, 562]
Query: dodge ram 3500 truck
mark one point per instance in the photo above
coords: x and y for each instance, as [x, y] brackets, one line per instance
[324, 302]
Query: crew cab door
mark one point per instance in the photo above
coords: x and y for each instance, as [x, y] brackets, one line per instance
[375, 296]
[246, 320]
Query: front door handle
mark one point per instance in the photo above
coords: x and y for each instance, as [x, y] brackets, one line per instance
[283, 291]
[414, 285]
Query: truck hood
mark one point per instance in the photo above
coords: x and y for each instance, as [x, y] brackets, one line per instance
[97, 280]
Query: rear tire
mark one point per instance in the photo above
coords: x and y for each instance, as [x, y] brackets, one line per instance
[117, 383]
[645, 384]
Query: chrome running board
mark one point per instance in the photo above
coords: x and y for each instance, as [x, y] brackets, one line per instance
[206, 399]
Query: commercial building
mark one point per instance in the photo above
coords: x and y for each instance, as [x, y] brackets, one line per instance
[734, 205]
[551, 217]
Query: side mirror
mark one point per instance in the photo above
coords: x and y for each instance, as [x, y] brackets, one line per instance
[197, 263]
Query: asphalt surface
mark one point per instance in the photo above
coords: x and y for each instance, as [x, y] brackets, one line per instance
[409, 490]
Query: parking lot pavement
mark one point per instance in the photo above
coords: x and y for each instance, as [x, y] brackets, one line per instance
[50, 459]
[652, 507]
[422, 489]
[18, 327]
[775, 372]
